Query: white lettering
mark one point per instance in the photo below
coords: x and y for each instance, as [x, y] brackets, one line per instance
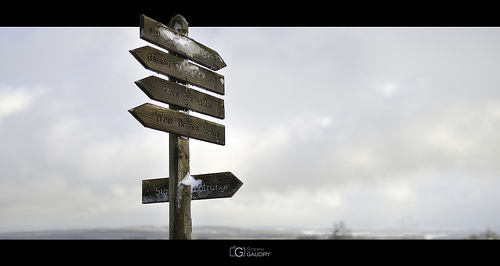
[216, 187]
[162, 192]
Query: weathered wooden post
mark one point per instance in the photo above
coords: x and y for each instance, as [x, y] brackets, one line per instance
[180, 195]
[180, 188]
[180, 225]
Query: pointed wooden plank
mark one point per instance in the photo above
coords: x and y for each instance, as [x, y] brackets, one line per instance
[213, 186]
[167, 38]
[163, 119]
[179, 68]
[173, 93]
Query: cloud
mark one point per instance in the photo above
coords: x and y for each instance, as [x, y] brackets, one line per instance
[377, 132]
[15, 99]
[387, 89]
[369, 126]
[13, 102]
[66, 158]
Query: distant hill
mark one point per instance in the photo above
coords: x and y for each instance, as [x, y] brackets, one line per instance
[150, 233]
[220, 232]
[119, 233]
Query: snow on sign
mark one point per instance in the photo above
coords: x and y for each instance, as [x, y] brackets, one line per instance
[179, 68]
[206, 186]
[164, 37]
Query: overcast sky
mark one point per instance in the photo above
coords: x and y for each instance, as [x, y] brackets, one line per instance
[378, 127]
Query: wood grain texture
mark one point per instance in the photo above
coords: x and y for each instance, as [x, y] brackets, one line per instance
[167, 38]
[173, 93]
[173, 66]
[163, 119]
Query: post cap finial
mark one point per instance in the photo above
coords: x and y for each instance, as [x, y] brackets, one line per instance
[179, 24]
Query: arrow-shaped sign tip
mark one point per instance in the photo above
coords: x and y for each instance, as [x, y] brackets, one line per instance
[144, 89]
[133, 112]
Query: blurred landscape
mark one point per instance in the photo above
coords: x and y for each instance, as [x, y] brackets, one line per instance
[215, 232]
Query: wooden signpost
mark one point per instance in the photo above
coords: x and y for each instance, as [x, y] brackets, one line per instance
[212, 186]
[173, 66]
[163, 119]
[164, 37]
[172, 93]
[176, 120]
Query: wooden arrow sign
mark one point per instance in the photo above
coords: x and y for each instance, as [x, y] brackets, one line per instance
[179, 68]
[213, 186]
[167, 38]
[163, 119]
[172, 93]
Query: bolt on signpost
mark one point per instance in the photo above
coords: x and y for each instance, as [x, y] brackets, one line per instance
[180, 187]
